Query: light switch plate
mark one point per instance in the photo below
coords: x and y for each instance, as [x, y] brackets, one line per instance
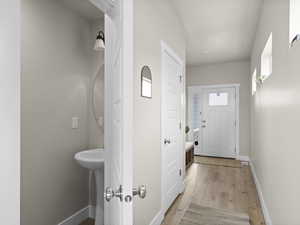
[75, 122]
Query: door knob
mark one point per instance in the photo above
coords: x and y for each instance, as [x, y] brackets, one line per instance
[203, 121]
[119, 193]
[109, 194]
[141, 191]
[203, 126]
[167, 141]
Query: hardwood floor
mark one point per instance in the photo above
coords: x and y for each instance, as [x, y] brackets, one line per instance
[222, 187]
[88, 222]
[217, 161]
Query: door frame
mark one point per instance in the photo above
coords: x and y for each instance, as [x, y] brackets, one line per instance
[237, 109]
[10, 114]
[127, 92]
[165, 48]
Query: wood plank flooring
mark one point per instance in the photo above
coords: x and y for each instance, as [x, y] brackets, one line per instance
[223, 187]
[88, 222]
[217, 161]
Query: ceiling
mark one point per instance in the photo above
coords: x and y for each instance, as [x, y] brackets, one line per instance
[85, 9]
[218, 30]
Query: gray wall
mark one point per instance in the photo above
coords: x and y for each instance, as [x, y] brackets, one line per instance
[57, 66]
[153, 21]
[228, 73]
[275, 117]
[96, 133]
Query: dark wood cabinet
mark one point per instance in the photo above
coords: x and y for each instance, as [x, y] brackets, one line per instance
[189, 155]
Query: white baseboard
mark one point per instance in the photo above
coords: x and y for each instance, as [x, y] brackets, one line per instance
[158, 219]
[243, 158]
[77, 217]
[265, 210]
[239, 157]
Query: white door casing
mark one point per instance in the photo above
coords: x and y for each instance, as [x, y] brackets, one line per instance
[172, 126]
[118, 127]
[218, 124]
[10, 69]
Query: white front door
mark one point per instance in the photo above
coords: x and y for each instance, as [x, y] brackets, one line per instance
[118, 113]
[219, 122]
[171, 128]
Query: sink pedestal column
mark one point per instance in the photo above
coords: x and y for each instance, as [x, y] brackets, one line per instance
[94, 161]
[99, 212]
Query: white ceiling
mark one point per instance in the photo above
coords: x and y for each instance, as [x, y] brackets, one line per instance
[218, 30]
[85, 9]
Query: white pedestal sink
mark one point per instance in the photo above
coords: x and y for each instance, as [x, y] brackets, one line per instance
[94, 160]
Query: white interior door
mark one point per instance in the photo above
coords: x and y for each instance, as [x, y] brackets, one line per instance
[171, 128]
[219, 122]
[118, 113]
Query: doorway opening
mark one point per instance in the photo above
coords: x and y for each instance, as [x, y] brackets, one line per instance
[62, 112]
[77, 76]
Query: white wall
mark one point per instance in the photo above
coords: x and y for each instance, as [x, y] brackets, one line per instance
[9, 112]
[228, 73]
[153, 21]
[58, 62]
[275, 117]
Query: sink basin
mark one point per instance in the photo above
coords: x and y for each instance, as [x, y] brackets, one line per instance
[94, 160]
[91, 159]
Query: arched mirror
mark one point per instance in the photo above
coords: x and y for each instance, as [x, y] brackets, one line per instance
[146, 82]
[98, 97]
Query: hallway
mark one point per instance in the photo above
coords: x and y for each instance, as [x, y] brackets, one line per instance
[223, 187]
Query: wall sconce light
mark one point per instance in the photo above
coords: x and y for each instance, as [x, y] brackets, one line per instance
[100, 41]
[295, 39]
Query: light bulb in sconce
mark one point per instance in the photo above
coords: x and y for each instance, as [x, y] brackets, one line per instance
[100, 42]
